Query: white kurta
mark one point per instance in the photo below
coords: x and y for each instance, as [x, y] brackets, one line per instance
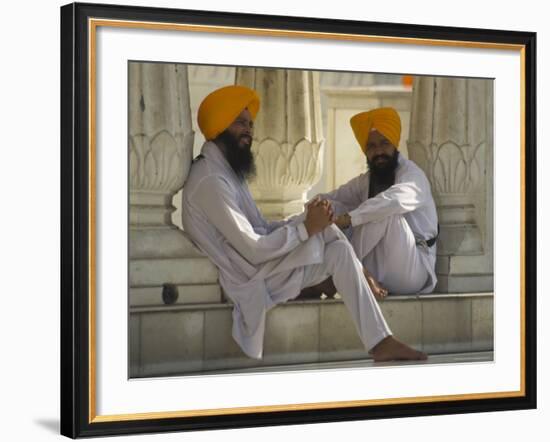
[395, 258]
[264, 263]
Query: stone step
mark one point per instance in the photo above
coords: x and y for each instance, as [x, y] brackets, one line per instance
[180, 339]
[465, 282]
[186, 294]
[197, 270]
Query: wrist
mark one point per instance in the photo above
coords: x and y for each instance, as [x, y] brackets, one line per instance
[303, 233]
[345, 220]
[309, 228]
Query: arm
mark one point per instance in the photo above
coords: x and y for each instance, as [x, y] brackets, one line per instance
[217, 201]
[270, 226]
[293, 220]
[348, 196]
[408, 195]
[267, 227]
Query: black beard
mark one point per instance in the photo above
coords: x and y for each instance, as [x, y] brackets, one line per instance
[239, 158]
[384, 173]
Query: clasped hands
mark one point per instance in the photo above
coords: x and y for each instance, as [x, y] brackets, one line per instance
[320, 214]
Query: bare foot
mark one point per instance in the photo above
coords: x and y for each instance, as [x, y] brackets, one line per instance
[378, 291]
[390, 349]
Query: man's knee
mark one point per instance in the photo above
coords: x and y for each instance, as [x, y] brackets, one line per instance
[384, 225]
[397, 220]
[333, 233]
[389, 220]
[338, 251]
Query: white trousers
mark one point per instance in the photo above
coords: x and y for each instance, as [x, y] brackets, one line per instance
[388, 250]
[346, 270]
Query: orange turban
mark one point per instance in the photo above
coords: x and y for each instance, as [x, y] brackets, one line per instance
[220, 108]
[385, 120]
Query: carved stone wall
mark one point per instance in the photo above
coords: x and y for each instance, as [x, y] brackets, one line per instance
[160, 143]
[451, 140]
[288, 138]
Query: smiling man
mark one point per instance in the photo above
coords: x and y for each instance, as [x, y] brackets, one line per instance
[263, 263]
[388, 213]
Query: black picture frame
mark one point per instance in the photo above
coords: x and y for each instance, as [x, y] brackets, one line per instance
[77, 405]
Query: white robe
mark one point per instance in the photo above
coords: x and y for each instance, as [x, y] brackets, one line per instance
[262, 264]
[405, 216]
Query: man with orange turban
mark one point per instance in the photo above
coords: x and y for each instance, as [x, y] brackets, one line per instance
[262, 263]
[388, 213]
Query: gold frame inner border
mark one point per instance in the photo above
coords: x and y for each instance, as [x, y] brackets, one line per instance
[93, 24]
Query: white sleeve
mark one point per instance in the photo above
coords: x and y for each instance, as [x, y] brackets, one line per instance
[216, 199]
[347, 196]
[269, 226]
[297, 220]
[411, 193]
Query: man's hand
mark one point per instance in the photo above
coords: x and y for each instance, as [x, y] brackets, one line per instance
[343, 221]
[319, 216]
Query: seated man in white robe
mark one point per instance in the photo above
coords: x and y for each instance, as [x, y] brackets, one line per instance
[262, 264]
[388, 213]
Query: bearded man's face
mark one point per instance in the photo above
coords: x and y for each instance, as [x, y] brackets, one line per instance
[382, 155]
[237, 139]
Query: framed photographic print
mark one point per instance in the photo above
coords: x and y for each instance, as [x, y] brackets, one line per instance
[201, 288]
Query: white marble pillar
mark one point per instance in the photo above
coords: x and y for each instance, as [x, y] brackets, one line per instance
[288, 138]
[451, 140]
[160, 143]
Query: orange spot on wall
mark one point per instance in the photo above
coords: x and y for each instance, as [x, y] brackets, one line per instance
[407, 80]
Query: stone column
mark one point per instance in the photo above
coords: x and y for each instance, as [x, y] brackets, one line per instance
[164, 266]
[451, 140]
[288, 138]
